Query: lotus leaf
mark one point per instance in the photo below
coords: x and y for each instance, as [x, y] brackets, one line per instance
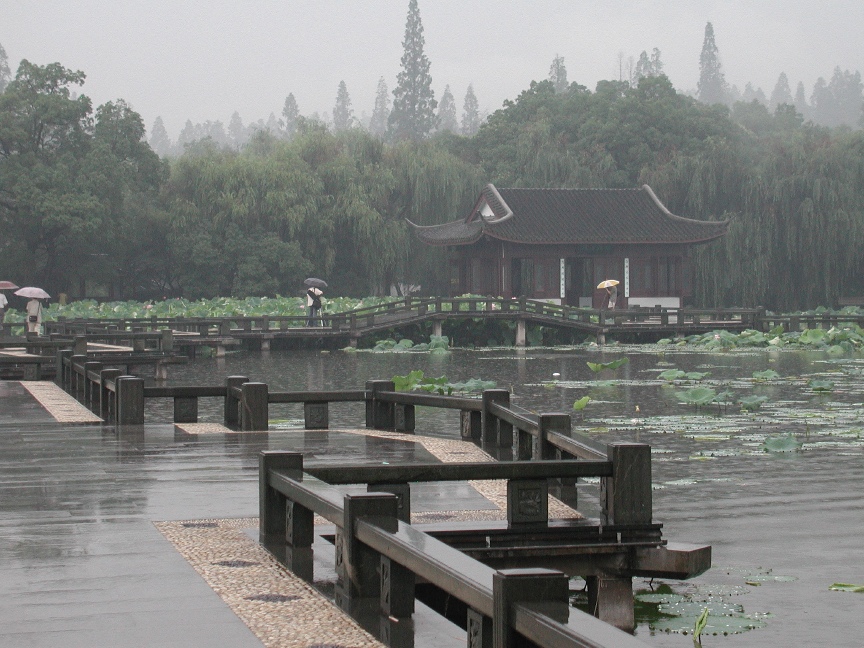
[697, 396]
[768, 374]
[581, 403]
[672, 374]
[751, 403]
[814, 337]
[821, 385]
[597, 367]
[783, 443]
[847, 587]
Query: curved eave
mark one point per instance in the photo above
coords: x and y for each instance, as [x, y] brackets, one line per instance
[687, 241]
[426, 233]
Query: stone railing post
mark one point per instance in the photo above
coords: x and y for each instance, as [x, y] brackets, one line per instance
[254, 407]
[380, 415]
[496, 432]
[625, 497]
[511, 586]
[232, 403]
[130, 400]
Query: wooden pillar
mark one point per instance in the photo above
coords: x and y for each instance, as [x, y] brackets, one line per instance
[496, 432]
[167, 342]
[107, 399]
[471, 425]
[379, 414]
[60, 376]
[232, 403]
[271, 503]
[625, 497]
[547, 423]
[535, 585]
[185, 409]
[521, 336]
[611, 600]
[437, 327]
[316, 415]
[358, 567]
[91, 386]
[130, 400]
[254, 407]
[403, 417]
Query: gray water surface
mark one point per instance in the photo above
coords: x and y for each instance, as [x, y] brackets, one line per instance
[783, 526]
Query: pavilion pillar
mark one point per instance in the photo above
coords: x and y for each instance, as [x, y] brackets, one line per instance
[521, 337]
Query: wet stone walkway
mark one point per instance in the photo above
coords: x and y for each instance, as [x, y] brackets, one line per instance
[145, 536]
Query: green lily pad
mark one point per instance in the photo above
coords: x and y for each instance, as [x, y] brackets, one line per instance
[784, 443]
[768, 374]
[697, 396]
[847, 587]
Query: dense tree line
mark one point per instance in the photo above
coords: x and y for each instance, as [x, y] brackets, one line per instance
[87, 205]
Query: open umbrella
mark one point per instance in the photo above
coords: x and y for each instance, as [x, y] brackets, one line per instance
[7, 285]
[313, 282]
[34, 293]
[608, 283]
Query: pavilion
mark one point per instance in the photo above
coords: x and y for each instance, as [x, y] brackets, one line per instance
[558, 244]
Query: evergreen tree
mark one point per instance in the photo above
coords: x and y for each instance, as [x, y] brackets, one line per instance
[647, 67]
[470, 113]
[414, 104]
[236, 131]
[159, 141]
[822, 103]
[5, 72]
[447, 120]
[378, 123]
[343, 115]
[290, 114]
[558, 74]
[712, 84]
[801, 100]
[846, 87]
[273, 125]
[753, 94]
[782, 93]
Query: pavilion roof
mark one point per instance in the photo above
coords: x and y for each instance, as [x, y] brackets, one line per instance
[571, 216]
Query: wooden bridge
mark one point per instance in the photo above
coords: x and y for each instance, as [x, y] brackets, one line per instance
[351, 326]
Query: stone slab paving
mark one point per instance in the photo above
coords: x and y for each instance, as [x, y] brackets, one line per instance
[82, 564]
[62, 406]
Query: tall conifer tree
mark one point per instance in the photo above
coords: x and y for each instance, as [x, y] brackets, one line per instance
[343, 115]
[471, 113]
[290, 115]
[414, 104]
[5, 72]
[558, 74]
[712, 84]
[447, 120]
[381, 111]
[159, 141]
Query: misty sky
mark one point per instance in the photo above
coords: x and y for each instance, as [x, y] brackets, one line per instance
[202, 60]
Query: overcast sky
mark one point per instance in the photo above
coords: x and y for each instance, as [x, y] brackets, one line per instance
[202, 60]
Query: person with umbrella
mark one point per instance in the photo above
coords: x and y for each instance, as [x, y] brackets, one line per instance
[34, 307]
[313, 300]
[4, 285]
[611, 286]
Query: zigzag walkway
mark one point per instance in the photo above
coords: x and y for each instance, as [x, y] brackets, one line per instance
[356, 324]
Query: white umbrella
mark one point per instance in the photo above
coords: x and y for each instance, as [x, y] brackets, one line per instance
[35, 293]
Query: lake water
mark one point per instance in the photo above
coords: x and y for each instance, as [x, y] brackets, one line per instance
[784, 526]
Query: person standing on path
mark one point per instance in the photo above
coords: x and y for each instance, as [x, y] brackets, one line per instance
[611, 297]
[34, 316]
[3, 304]
[313, 304]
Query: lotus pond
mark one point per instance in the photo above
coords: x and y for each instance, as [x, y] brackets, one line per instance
[758, 452]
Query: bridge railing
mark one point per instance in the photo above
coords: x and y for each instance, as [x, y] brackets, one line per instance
[380, 555]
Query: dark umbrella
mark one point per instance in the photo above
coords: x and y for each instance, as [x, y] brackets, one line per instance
[313, 282]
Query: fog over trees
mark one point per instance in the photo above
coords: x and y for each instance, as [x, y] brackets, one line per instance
[91, 206]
